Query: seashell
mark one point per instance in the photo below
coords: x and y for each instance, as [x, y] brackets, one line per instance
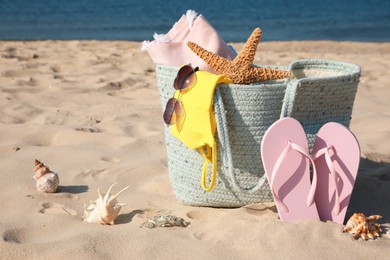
[165, 221]
[47, 181]
[363, 227]
[105, 209]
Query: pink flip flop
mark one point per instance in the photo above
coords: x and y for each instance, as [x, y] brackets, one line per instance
[286, 162]
[336, 154]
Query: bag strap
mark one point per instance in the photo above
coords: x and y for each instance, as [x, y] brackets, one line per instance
[289, 97]
[225, 148]
[321, 74]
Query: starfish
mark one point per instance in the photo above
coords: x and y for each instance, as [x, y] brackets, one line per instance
[241, 69]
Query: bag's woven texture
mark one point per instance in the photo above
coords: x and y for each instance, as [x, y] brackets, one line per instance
[243, 114]
[324, 93]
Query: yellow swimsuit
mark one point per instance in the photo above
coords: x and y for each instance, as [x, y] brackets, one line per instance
[198, 127]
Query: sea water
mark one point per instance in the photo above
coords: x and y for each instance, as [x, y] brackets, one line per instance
[136, 20]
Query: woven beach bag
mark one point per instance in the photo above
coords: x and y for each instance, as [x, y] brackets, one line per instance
[322, 91]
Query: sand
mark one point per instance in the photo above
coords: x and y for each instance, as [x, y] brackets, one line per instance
[90, 110]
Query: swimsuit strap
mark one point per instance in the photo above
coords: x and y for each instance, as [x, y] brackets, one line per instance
[210, 157]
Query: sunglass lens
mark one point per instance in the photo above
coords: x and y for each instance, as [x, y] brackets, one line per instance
[186, 78]
[173, 112]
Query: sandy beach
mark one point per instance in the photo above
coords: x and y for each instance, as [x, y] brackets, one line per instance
[91, 111]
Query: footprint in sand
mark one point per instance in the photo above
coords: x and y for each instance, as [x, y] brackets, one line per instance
[143, 130]
[92, 173]
[15, 236]
[111, 159]
[88, 129]
[55, 68]
[112, 86]
[198, 215]
[199, 235]
[30, 82]
[16, 73]
[56, 208]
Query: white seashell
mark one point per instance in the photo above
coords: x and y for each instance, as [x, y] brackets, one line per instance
[47, 181]
[105, 209]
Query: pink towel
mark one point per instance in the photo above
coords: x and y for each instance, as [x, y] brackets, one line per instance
[171, 49]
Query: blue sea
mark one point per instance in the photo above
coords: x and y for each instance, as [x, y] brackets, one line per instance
[136, 20]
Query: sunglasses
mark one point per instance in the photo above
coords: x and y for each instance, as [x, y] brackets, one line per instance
[185, 80]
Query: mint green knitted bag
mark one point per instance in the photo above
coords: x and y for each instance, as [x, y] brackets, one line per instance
[321, 91]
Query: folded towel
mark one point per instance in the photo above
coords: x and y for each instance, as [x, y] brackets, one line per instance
[171, 49]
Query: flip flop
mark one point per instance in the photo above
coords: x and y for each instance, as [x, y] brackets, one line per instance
[336, 154]
[286, 161]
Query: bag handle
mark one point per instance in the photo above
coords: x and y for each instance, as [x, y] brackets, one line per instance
[225, 149]
[289, 97]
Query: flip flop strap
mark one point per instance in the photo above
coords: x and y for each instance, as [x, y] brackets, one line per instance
[325, 151]
[281, 158]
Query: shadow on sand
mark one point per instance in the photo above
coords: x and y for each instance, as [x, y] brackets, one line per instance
[371, 194]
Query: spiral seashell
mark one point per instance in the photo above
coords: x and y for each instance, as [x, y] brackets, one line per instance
[105, 209]
[47, 181]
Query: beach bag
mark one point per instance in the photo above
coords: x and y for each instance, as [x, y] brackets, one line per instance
[322, 91]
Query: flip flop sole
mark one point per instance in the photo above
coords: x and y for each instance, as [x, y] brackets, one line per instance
[345, 157]
[291, 184]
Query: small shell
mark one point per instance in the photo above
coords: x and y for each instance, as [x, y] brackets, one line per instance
[105, 209]
[47, 181]
[165, 221]
[364, 227]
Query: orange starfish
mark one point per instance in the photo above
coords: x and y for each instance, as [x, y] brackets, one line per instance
[241, 69]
